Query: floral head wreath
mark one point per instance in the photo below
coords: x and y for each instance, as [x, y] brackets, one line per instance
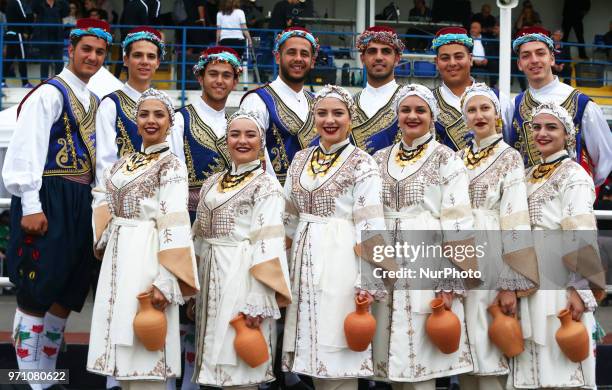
[420, 91]
[156, 94]
[379, 34]
[144, 33]
[255, 117]
[531, 34]
[338, 93]
[296, 32]
[479, 89]
[450, 35]
[92, 27]
[566, 120]
[217, 54]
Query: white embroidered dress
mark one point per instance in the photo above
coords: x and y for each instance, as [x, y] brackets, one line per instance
[148, 241]
[499, 201]
[428, 193]
[563, 201]
[325, 217]
[240, 242]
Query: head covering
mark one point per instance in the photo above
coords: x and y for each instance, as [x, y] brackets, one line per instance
[253, 116]
[531, 34]
[380, 34]
[479, 89]
[296, 32]
[92, 27]
[566, 120]
[337, 92]
[216, 54]
[452, 35]
[144, 33]
[156, 94]
[420, 91]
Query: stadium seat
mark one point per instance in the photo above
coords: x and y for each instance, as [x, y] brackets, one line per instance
[424, 69]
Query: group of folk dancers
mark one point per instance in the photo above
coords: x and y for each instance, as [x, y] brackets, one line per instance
[189, 205]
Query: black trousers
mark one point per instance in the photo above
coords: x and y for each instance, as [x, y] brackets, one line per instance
[576, 24]
[15, 50]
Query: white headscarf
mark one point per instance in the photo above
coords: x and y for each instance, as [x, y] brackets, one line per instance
[566, 120]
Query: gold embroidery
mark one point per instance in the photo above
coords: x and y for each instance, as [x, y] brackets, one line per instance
[451, 119]
[123, 140]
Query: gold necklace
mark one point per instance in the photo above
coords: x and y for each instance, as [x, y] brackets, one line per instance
[545, 170]
[405, 156]
[472, 160]
[231, 182]
[321, 162]
[140, 159]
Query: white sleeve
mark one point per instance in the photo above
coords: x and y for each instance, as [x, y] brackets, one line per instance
[598, 141]
[508, 113]
[241, 16]
[175, 139]
[504, 102]
[106, 147]
[252, 102]
[27, 152]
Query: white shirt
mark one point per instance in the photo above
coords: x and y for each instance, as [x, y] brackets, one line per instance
[233, 20]
[27, 152]
[213, 118]
[478, 52]
[296, 101]
[595, 129]
[106, 133]
[373, 99]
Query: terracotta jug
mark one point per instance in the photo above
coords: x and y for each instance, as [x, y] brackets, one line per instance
[359, 326]
[572, 337]
[150, 324]
[505, 332]
[443, 327]
[249, 343]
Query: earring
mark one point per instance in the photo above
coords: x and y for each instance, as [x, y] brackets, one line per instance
[499, 125]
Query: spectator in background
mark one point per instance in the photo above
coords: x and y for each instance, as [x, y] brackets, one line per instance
[528, 17]
[196, 17]
[17, 11]
[94, 13]
[562, 67]
[608, 39]
[479, 56]
[212, 7]
[51, 37]
[286, 13]
[573, 13]
[253, 13]
[106, 7]
[88, 5]
[420, 11]
[486, 20]
[230, 16]
[74, 13]
[492, 48]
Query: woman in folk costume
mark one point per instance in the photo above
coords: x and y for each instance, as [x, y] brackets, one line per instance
[499, 204]
[425, 189]
[142, 225]
[333, 195]
[560, 195]
[240, 242]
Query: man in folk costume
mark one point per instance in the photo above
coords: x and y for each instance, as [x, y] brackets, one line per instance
[453, 48]
[375, 123]
[535, 51]
[116, 128]
[283, 104]
[199, 139]
[49, 167]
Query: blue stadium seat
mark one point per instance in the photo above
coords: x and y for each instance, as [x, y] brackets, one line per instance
[403, 69]
[424, 69]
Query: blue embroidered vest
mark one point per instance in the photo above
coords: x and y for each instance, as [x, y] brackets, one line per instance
[72, 143]
[205, 153]
[451, 130]
[378, 132]
[520, 137]
[287, 133]
[127, 139]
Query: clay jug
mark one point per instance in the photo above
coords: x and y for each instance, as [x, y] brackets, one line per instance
[443, 327]
[150, 324]
[359, 326]
[572, 337]
[249, 343]
[505, 332]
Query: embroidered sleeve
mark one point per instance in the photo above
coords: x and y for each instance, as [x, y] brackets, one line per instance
[291, 214]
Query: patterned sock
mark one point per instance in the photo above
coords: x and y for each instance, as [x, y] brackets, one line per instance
[27, 330]
[51, 342]
[111, 382]
[189, 347]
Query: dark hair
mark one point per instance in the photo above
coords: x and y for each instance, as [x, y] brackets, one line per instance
[128, 49]
[228, 6]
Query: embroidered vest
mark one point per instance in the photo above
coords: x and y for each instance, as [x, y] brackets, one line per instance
[205, 153]
[378, 132]
[127, 139]
[72, 143]
[287, 133]
[520, 137]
